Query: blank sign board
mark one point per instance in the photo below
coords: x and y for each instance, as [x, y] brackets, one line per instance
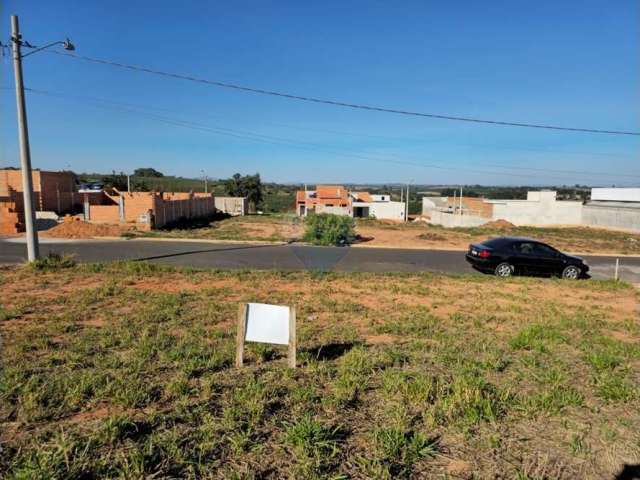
[267, 323]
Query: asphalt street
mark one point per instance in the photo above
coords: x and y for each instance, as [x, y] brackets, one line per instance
[282, 257]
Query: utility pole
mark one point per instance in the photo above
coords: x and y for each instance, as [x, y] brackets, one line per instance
[33, 252]
[461, 200]
[204, 175]
[128, 183]
[406, 209]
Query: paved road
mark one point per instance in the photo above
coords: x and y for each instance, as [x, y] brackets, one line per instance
[284, 257]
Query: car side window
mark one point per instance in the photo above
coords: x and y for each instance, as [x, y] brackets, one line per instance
[544, 250]
[525, 248]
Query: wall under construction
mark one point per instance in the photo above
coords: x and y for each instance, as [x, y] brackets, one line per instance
[52, 191]
[151, 209]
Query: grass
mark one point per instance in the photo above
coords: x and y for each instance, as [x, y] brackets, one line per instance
[125, 370]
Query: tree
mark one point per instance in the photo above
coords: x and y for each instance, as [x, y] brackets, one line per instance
[249, 186]
[147, 172]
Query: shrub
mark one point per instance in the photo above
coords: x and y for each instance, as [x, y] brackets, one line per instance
[329, 229]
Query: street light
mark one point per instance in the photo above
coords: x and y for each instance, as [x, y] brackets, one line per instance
[23, 132]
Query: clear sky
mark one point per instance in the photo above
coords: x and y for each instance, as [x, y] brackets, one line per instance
[568, 63]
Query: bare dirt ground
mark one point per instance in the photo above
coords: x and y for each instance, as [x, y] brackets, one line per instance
[82, 230]
[569, 239]
[128, 368]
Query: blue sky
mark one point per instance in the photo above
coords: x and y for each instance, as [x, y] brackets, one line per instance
[569, 63]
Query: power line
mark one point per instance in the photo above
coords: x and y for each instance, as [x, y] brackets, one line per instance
[365, 135]
[335, 102]
[128, 107]
[248, 135]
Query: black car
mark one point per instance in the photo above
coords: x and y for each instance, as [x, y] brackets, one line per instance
[505, 256]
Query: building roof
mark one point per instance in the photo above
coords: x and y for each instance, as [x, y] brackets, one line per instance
[362, 196]
[331, 192]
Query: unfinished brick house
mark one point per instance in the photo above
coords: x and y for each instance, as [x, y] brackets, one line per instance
[56, 192]
[149, 209]
[53, 191]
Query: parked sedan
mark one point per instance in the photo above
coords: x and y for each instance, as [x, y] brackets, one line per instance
[506, 256]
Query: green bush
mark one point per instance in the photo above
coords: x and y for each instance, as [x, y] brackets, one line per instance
[329, 229]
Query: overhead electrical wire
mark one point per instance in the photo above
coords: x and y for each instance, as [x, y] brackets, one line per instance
[336, 102]
[248, 135]
[371, 136]
[99, 100]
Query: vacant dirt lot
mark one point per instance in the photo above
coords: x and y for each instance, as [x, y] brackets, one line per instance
[125, 370]
[569, 239]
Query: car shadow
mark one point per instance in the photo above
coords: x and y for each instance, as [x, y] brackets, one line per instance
[629, 472]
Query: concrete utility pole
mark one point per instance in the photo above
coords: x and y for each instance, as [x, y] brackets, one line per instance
[128, 183]
[460, 200]
[33, 252]
[406, 209]
[23, 132]
[204, 175]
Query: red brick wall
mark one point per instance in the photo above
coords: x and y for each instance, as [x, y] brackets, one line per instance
[48, 187]
[165, 208]
[11, 214]
[104, 214]
[169, 208]
[136, 204]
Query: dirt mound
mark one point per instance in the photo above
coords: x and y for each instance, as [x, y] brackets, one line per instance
[499, 224]
[80, 229]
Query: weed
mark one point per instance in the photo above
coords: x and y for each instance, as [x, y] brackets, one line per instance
[53, 261]
[614, 387]
[398, 450]
[314, 444]
[535, 337]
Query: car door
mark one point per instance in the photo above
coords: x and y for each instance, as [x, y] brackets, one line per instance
[524, 257]
[548, 258]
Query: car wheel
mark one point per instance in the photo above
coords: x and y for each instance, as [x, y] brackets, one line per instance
[503, 270]
[571, 272]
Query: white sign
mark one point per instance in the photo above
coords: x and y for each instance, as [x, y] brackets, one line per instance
[267, 324]
[259, 322]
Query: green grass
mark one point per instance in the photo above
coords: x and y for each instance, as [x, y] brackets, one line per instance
[125, 370]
